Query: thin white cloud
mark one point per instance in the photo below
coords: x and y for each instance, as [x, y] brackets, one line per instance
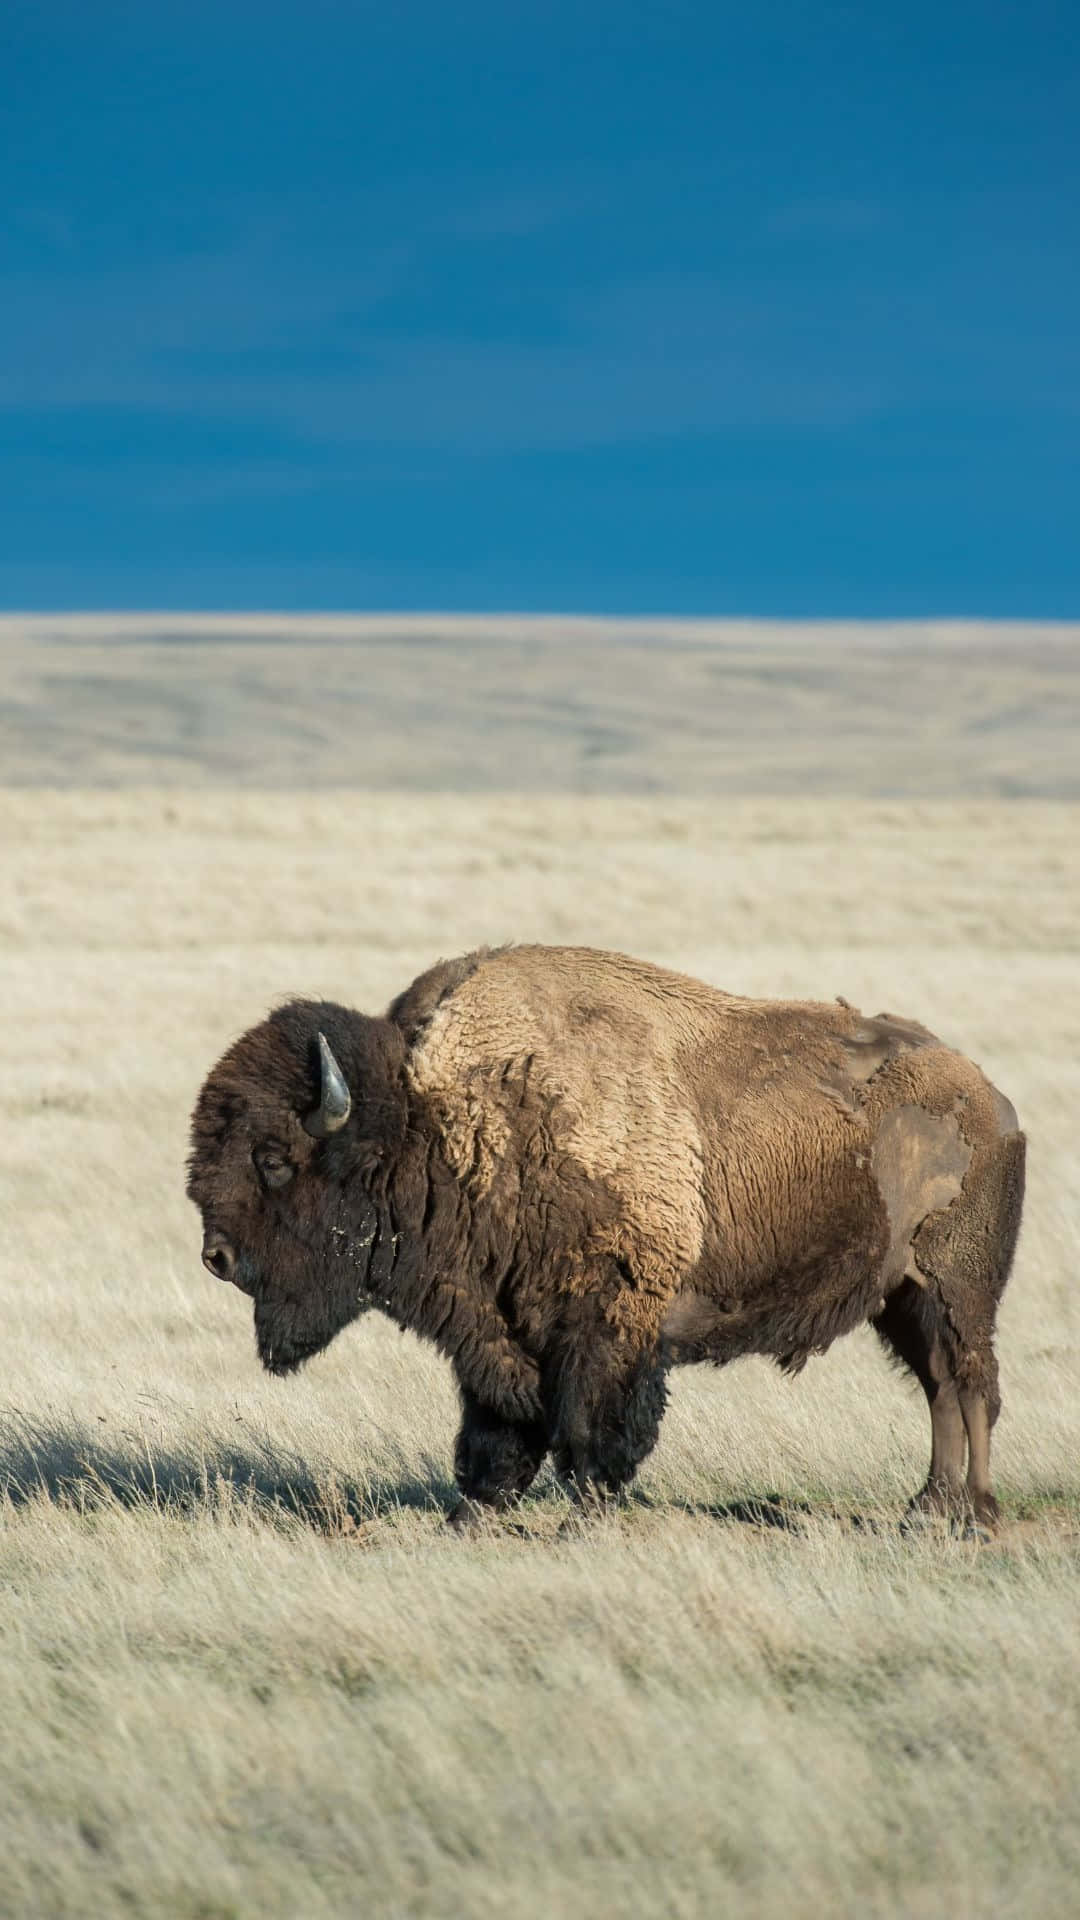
[255, 336]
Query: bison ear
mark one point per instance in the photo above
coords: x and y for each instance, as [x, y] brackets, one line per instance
[335, 1100]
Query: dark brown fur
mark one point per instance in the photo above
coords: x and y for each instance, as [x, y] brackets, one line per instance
[571, 1171]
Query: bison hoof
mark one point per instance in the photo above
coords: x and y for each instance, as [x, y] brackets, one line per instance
[471, 1516]
[591, 1500]
[977, 1531]
[983, 1520]
[967, 1517]
[987, 1512]
[939, 1500]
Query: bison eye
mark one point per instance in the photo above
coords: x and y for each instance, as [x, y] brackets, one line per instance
[272, 1167]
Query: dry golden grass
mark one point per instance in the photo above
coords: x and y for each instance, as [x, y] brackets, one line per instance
[245, 1671]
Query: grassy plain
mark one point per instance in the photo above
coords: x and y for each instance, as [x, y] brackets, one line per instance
[243, 1668]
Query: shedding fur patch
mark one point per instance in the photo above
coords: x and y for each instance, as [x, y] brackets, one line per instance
[919, 1160]
[862, 1053]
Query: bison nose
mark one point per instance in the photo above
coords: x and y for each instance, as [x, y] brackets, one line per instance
[218, 1257]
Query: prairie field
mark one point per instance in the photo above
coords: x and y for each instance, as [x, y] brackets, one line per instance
[245, 1669]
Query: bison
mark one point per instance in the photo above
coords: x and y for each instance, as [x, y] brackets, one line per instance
[572, 1170]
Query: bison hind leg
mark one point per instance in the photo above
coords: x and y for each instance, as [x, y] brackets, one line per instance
[942, 1326]
[966, 1253]
[910, 1324]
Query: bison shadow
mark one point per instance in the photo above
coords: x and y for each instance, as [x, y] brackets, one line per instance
[766, 1511]
[770, 1510]
[61, 1461]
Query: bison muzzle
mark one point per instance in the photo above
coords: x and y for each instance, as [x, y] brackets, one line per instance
[572, 1170]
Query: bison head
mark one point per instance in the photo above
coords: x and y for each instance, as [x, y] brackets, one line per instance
[293, 1139]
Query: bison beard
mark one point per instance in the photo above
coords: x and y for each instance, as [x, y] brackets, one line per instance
[300, 1307]
[290, 1328]
[572, 1170]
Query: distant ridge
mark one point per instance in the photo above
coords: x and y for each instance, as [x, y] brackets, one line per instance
[430, 702]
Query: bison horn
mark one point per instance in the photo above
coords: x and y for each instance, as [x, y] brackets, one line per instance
[335, 1100]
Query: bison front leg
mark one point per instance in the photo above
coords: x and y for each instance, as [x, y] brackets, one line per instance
[495, 1459]
[605, 1390]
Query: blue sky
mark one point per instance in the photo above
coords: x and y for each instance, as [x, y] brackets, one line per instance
[673, 308]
